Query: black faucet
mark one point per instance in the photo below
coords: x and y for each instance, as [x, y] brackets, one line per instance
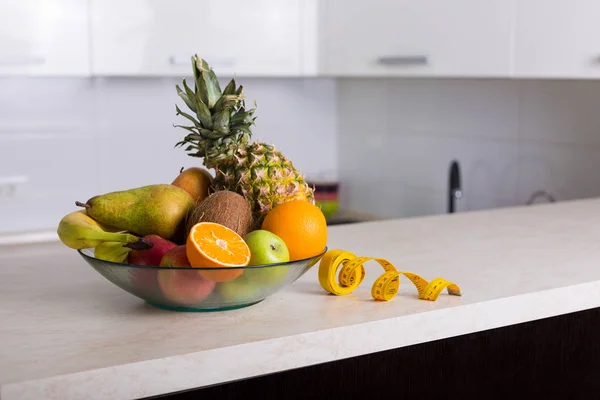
[454, 190]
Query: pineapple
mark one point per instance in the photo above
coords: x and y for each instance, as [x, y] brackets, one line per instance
[220, 135]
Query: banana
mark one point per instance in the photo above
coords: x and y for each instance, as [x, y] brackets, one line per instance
[78, 230]
[112, 251]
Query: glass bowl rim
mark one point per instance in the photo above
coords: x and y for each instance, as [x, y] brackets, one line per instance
[122, 265]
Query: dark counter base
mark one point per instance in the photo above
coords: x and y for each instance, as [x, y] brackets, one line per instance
[549, 358]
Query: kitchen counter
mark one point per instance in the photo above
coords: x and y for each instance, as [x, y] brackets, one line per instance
[67, 333]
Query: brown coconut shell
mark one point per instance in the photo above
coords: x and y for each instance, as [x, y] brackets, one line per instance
[222, 207]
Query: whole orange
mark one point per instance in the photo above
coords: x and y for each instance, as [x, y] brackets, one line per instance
[301, 225]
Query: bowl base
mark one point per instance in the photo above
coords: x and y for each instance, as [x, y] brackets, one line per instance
[190, 309]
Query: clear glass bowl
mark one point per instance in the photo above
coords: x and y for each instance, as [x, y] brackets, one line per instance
[184, 289]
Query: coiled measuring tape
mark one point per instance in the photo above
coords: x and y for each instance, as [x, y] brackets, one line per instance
[385, 287]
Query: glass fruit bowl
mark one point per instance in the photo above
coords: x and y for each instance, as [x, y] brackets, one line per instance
[186, 289]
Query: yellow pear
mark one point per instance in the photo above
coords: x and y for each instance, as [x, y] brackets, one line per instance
[196, 181]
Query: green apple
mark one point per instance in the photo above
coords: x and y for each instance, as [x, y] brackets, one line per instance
[266, 248]
[239, 290]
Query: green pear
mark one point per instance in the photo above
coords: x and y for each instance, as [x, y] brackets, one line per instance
[158, 209]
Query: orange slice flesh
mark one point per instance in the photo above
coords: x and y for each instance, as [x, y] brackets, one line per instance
[214, 245]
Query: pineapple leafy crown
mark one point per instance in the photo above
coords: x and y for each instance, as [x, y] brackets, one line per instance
[221, 118]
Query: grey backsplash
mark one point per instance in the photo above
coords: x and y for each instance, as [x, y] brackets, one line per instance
[510, 137]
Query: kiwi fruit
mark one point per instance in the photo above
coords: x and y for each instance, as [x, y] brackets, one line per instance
[222, 207]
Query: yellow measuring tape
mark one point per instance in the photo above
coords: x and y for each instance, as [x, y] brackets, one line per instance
[384, 288]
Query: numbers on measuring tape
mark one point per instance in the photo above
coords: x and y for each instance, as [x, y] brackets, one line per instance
[352, 273]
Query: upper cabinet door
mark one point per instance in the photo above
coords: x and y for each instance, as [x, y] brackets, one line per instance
[44, 37]
[158, 37]
[417, 37]
[558, 38]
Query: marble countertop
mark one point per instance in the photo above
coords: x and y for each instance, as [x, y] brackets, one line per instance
[67, 333]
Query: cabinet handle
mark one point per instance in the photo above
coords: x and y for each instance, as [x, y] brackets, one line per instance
[16, 61]
[219, 63]
[402, 60]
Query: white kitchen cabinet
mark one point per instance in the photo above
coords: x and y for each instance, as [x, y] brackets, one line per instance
[242, 37]
[40, 179]
[416, 38]
[44, 37]
[557, 39]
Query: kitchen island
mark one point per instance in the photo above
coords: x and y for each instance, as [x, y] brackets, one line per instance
[67, 333]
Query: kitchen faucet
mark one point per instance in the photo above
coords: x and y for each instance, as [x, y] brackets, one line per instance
[454, 189]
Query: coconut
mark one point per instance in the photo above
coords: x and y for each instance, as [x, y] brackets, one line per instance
[222, 207]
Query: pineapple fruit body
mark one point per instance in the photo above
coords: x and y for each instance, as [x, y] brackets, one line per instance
[220, 135]
[263, 176]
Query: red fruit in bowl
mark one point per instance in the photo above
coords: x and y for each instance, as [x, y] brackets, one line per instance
[175, 257]
[183, 287]
[154, 255]
[147, 279]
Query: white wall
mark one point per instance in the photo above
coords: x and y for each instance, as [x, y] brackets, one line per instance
[75, 138]
[394, 138]
[397, 138]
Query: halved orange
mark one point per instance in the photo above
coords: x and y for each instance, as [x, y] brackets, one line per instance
[214, 245]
